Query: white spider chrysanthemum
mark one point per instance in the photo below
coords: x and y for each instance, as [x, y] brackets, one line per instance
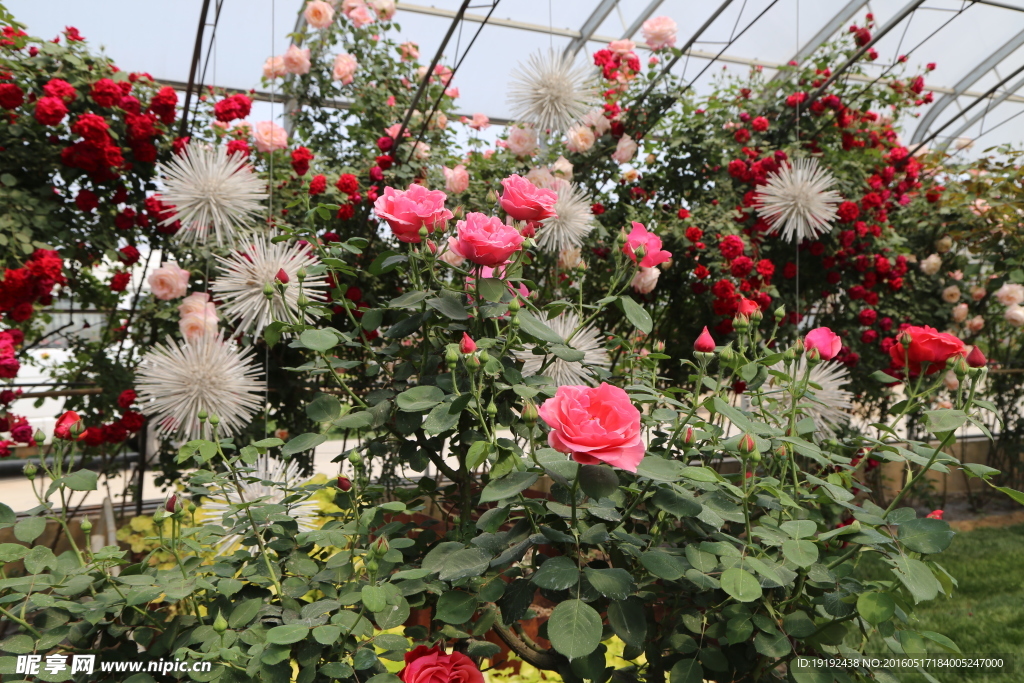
[248, 271]
[211, 190]
[552, 90]
[286, 477]
[572, 221]
[830, 405]
[564, 372]
[797, 200]
[178, 380]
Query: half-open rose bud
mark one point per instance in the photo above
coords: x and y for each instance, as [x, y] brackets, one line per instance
[63, 428]
[747, 444]
[705, 342]
[344, 483]
[976, 359]
[282, 276]
[467, 345]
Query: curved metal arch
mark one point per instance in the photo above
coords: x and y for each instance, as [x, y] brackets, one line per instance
[827, 31]
[992, 61]
[590, 26]
[964, 127]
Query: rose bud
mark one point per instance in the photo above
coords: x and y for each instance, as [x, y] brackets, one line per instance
[172, 505]
[282, 276]
[747, 444]
[689, 438]
[467, 345]
[976, 359]
[344, 483]
[935, 514]
[705, 343]
[62, 430]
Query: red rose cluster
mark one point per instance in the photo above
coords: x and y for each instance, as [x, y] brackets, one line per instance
[17, 426]
[33, 283]
[616, 65]
[113, 432]
[232, 108]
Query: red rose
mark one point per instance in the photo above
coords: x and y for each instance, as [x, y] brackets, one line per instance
[384, 143]
[742, 135]
[848, 211]
[114, 433]
[731, 246]
[93, 436]
[345, 211]
[60, 89]
[62, 430]
[163, 104]
[50, 111]
[867, 316]
[239, 147]
[760, 124]
[300, 160]
[597, 209]
[11, 96]
[347, 183]
[119, 282]
[129, 255]
[741, 266]
[106, 93]
[318, 185]
[132, 421]
[927, 349]
[91, 127]
[86, 200]
[232, 108]
[127, 398]
[384, 162]
[430, 665]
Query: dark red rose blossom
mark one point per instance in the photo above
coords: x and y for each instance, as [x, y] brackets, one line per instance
[127, 398]
[61, 89]
[163, 104]
[106, 93]
[119, 282]
[11, 96]
[50, 111]
[848, 212]
[347, 183]
[346, 211]
[760, 124]
[731, 246]
[232, 108]
[129, 255]
[86, 200]
[318, 185]
[301, 157]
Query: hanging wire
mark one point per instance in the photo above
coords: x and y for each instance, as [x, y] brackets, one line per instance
[270, 219]
[796, 242]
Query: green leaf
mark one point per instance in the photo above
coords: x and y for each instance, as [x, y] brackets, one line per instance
[567, 354]
[703, 562]
[636, 314]
[574, 629]
[686, 671]
[7, 515]
[800, 553]
[616, 584]
[945, 420]
[675, 503]
[741, 584]
[29, 529]
[464, 563]
[557, 573]
[303, 442]
[318, 340]
[286, 635]
[491, 288]
[1014, 494]
[449, 307]
[925, 535]
[772, 645]
[323, 408]
[456, 607]
[918, 578]
[418, 399]
[876, 607]
[627, 620]
[663, 565]
[374, 598]
[244, 612]
[393, 616]
[12, 552]
[880, 376]
[386, 261]
[532, 325]
[407, 299]
[598, 481]
[477, 454]
[507, 486]
[799, 528]
[443, 417]
[660, 469]
[82, 480]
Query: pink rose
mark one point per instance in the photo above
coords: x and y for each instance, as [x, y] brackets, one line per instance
[456, 180]
[420, 150]
[360, 16]
[579, 139]
[659, 32]
[645, 280]
[169, 281]
[296, 60]
[485, 240]
[274, 67]
[430, 665]
[595, 425]
[319, 14]
[522, 141]
[197, 303]
[385, 9]
[270, 136]
[638, 237]
[345, 66]
[975, 324]
[625, 150]
[408, 211]
[622, 46]
[524, 201]
[825, 341]
[478, 122]
[197, 325]
[410, 51]
[960, 312]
